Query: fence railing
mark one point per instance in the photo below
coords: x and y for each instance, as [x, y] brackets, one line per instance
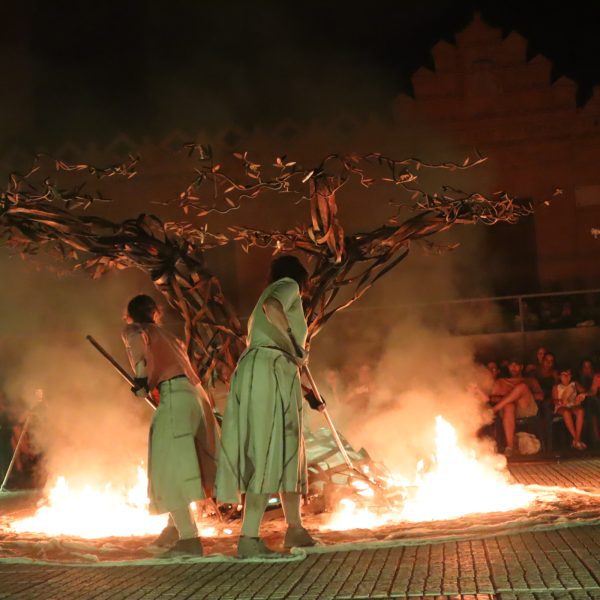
[503, 314]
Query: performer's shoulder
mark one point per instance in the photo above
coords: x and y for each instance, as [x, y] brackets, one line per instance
[285, 283]
[132, 329]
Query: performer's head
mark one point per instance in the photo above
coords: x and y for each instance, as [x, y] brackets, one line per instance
[143, 309]
[289, 266]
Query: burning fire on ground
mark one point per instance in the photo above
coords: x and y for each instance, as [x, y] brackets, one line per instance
[457, 483]
[94, 512]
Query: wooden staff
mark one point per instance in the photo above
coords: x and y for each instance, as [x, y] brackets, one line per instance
[120, 370]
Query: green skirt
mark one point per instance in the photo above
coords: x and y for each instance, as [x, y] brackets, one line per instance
[262, 446]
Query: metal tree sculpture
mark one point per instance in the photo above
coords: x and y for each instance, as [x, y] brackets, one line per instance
[35, 212]
[345, 261]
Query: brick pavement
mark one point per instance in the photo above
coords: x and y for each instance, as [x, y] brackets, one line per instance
[543, 565]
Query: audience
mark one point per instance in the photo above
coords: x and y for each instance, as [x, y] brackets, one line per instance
[544, 400]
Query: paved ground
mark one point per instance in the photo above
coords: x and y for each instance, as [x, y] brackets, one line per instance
[562, 563]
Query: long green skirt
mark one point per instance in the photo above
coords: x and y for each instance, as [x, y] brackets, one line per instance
[262, 446]
[182, 450]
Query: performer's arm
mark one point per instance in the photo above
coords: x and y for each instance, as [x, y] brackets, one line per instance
[276, 315]
[135, 345]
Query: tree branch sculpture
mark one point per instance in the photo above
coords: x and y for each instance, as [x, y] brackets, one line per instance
[352, 261]
[35, 213]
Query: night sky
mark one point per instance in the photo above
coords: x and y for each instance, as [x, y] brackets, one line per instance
[148, 67]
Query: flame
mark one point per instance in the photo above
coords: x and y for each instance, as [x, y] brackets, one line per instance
[94, 512]
[459, 483]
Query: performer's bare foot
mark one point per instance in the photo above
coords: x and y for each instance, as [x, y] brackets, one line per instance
[189, 546]
[298, 537]
[253, 547]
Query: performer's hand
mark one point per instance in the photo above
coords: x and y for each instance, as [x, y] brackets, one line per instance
[140, 387]
[314, 402]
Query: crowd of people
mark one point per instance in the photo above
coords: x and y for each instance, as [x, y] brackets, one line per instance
[539, 396]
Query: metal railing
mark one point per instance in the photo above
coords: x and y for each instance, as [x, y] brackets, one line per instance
[519, 301]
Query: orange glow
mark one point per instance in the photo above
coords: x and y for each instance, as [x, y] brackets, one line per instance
[459, 483]
[94, 511]
[91, 511]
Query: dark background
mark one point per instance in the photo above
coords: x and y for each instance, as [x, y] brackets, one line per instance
[84, 71]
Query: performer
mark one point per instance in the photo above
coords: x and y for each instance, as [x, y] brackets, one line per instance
[183, 435]
[262, 445]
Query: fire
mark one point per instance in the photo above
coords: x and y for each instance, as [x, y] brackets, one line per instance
[94, 512]
[484, 487]
[436, 494]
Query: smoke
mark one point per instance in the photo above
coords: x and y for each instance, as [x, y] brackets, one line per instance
[88, 427]
[422, 373]
[392, 363]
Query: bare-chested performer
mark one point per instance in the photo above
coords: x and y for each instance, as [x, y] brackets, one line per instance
[183, 435]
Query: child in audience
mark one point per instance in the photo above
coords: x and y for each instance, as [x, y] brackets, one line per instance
[568, 396]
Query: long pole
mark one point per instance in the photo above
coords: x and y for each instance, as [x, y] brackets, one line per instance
[40, 397]
[325, 412]
[15, 453]
[122, 372]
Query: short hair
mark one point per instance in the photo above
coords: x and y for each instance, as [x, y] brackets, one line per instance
[515, 360]
[141, 309]
[565, 370]
[288, 266]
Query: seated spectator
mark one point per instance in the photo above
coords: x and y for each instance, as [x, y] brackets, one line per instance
[516, 397]
[546, 374]
[586, 374]
[530, 322]
[547, 377]
[590, 311]
[568, 397]
[494, 369]
[539, 359]
[545, 314]
[566, 317]
[590, 382]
